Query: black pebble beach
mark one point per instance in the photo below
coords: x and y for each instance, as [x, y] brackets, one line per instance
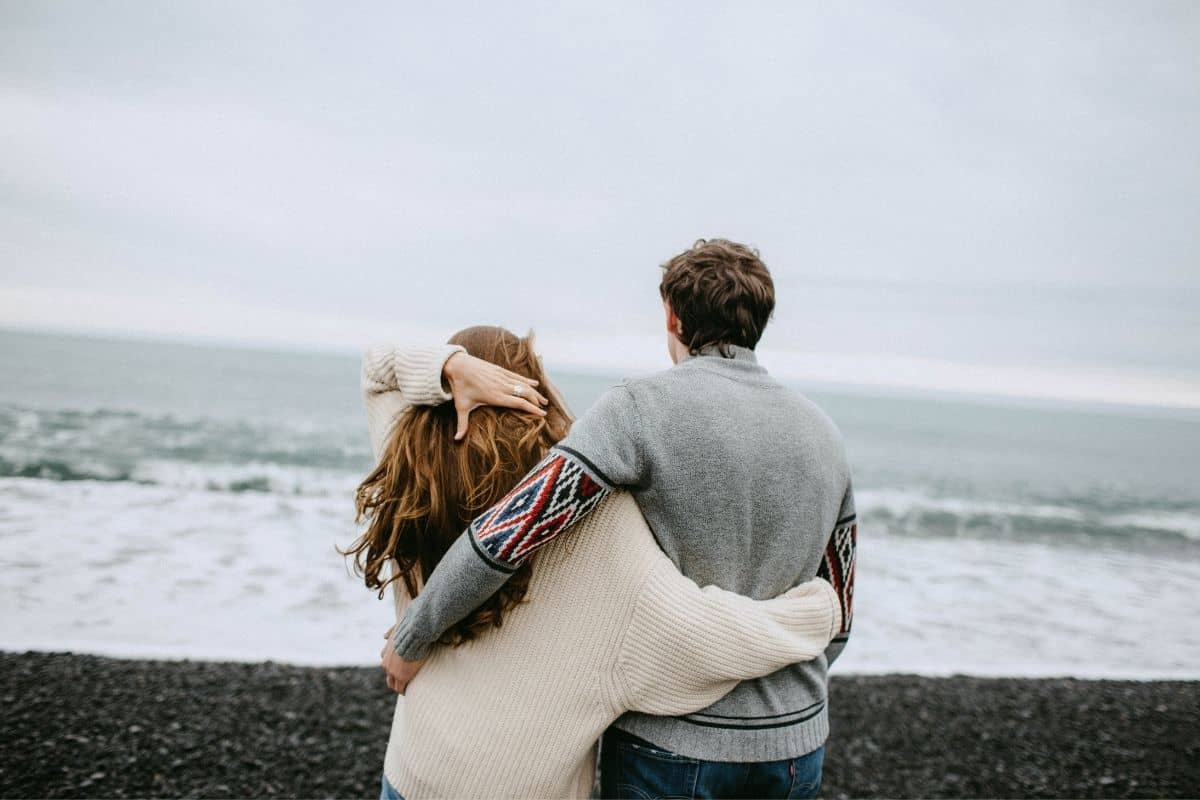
[85, 726]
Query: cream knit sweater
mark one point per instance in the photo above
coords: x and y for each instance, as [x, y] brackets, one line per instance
[610, 625]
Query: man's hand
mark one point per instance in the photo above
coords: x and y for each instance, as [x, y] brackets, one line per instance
[398, 671]
[475, 382]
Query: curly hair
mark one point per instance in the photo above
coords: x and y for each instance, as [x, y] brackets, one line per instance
[427, 488]
[722, 293]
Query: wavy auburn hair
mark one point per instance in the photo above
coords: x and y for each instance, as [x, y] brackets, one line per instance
[427, 488]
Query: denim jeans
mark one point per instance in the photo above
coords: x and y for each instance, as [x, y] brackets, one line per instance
[631, 767]
[388, 792]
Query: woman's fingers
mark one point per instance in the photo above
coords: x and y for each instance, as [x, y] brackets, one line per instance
[529, 393]
[516, 376]
[535, 397]
[523, 403]
[494, 387]
[464, 421]
[502, 395]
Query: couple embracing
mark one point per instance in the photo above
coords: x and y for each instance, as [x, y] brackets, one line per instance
[670, 575]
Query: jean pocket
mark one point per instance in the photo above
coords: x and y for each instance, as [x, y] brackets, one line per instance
[637, 770]
[648, 751]
[806, 774]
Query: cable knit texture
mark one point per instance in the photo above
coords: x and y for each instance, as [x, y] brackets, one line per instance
[609, 626]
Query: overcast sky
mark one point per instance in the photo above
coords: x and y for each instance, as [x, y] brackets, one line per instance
[246, 168]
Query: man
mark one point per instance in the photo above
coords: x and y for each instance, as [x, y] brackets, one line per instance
[745, 485]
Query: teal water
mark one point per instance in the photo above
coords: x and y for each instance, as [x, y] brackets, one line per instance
[978, 516]
[74, 408]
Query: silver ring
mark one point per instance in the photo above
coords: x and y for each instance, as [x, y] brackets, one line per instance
[518, 390]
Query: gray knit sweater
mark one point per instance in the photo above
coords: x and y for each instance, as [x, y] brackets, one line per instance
[744, 484]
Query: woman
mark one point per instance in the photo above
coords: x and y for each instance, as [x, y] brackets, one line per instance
[600, 623]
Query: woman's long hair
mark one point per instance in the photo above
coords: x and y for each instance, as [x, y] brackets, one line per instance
[427, 488]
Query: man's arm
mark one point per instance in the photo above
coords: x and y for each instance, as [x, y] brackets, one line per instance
[837, 567]
[601, 454]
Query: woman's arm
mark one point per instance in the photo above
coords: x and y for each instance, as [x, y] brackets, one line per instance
[395, 377]
[688, 647]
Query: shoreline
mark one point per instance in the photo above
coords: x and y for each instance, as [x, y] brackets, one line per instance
[177, 655]
[95, 726]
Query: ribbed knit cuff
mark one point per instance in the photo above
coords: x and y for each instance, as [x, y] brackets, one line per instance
[819, 587]
[835, 605]
[419, 373]
[406, 645]
[416, 372]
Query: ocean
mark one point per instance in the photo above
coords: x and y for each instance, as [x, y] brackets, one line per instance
[186, 501]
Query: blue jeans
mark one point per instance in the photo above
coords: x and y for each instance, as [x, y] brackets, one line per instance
[388, 792]
[631, 767]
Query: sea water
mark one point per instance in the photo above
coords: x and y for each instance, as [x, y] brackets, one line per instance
[186, 501]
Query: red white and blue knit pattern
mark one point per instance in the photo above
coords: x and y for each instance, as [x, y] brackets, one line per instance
[837, 567]
[556, 494]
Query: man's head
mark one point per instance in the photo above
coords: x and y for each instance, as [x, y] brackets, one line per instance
[717, 292]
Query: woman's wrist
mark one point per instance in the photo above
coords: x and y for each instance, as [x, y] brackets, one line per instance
[448, 372]
[452, 370]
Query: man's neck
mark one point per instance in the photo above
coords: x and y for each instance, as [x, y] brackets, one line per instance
[731, 352]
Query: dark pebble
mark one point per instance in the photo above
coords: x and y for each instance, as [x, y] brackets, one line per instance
[85, 726]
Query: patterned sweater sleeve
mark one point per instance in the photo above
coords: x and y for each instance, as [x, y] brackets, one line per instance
[557, 493]
[837, 567]
[687, 647]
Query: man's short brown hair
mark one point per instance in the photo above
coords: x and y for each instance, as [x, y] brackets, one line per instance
[722, 293]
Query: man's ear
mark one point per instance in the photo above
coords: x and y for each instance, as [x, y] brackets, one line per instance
[673, 324]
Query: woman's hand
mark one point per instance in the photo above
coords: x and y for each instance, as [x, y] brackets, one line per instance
[399, 673]
[475, 382]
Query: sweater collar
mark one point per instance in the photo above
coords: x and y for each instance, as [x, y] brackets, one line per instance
[736, 353]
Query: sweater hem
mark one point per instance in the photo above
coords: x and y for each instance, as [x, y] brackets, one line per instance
[720, 742]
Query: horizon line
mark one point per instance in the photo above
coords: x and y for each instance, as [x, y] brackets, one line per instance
[824, 377]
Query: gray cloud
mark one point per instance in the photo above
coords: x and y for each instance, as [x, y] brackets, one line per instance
[527, 161]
